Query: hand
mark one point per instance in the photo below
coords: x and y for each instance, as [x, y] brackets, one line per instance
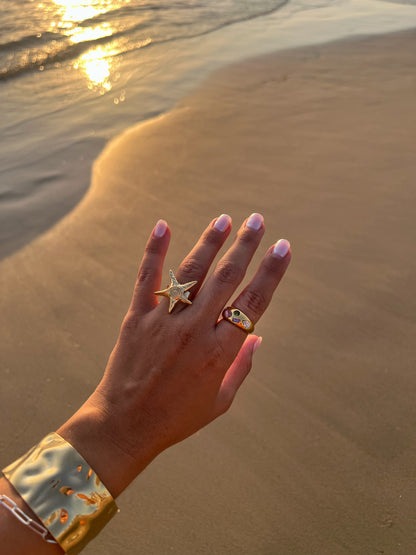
[171, 374]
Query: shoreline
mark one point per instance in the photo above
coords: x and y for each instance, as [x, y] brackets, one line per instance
[316, 455]
[43, 190]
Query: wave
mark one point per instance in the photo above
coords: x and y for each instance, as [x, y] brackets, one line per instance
[58, 51]
[44, 51]
[30, 41]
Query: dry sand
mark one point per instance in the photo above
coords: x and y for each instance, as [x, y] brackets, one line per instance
[317, 456]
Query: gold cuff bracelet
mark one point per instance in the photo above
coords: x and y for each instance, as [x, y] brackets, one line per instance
[63, 491]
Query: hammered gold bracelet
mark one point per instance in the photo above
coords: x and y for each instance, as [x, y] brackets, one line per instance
[63, 491]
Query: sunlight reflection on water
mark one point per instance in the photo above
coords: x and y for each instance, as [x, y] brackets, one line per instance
[72, 18]
[72, 11]
[97, 64]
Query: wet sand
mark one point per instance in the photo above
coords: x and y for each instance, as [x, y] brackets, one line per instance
[317, 455]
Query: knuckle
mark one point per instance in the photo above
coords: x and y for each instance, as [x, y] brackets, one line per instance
[212, 237]
[152, 248]
[214, 357]
[255, 301]
[211, 360]
[272, 265]
[185, 337]
[144, 275]
[157, 328]
[191, 267]
[228, 272]
[130, 323]
[247, 237]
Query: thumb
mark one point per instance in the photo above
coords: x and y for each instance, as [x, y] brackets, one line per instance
[236, 374]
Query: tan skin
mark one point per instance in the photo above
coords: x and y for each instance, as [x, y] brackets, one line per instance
[169, 374]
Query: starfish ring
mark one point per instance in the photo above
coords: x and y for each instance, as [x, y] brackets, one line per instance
[176, 291]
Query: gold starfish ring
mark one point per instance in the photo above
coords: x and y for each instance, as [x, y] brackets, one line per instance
[176, 291]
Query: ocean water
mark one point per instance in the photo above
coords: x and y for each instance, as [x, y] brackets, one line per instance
[74, 73]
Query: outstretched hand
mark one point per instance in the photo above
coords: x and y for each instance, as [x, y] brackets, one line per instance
[170, 374]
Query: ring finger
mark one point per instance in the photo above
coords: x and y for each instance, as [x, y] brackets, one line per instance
[255, 298]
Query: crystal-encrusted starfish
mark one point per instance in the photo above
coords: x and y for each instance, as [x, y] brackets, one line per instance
[176, 291]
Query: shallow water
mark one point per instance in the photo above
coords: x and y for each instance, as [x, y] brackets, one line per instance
[74, 73]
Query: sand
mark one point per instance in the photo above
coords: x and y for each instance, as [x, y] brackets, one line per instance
[318, 453]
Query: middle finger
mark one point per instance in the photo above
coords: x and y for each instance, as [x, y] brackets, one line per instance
[232, 267]
[197, 263]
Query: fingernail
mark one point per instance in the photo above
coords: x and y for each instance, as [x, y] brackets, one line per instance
[222, 222]
[160, 228]
[257, 344]
[255, 221]
[281, 248]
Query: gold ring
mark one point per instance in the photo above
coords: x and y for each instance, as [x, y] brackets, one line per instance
[238, 318]
[176, 291]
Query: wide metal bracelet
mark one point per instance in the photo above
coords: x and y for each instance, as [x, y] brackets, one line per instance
[63, 491]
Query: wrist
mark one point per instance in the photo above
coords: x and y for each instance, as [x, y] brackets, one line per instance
[94, 432]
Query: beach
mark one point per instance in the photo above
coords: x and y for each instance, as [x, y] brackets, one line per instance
[74, 74]
[317, 454]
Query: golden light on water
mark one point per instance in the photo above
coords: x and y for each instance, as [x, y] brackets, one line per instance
[73, 11]
[68, 16]
[97, 65]
[81, 34]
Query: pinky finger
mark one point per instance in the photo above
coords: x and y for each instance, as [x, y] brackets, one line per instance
[236, 374]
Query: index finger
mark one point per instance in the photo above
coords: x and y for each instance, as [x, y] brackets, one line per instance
[149, 275]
